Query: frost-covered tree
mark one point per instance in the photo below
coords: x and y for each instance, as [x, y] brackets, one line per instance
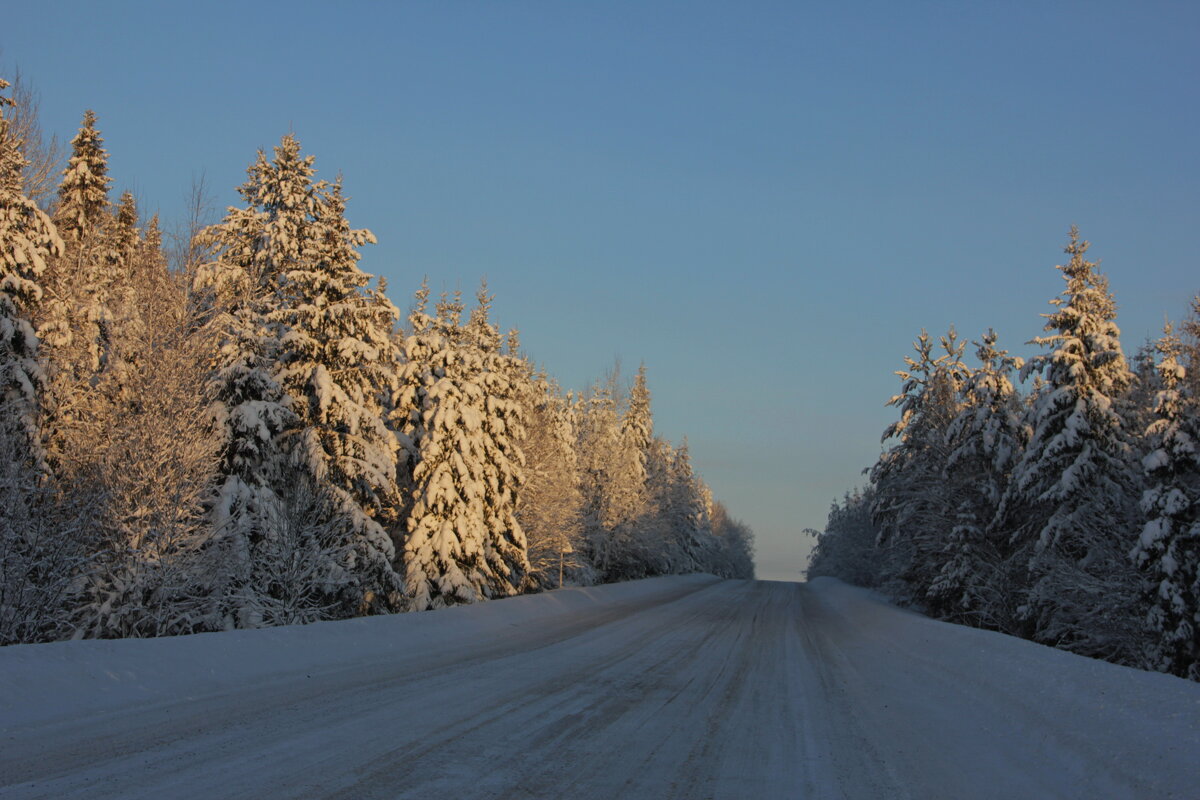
[249, 249]
[83, 192]
[599, 448]
[304, 363]
[550, 506]
[686, 528]
[985, 440]
[636, 543]
[910, 507]
[78, 316]
[458, 421]
[28, 240]
[335, 362]
[1071, 505]
[1169, 546]
[35, 560]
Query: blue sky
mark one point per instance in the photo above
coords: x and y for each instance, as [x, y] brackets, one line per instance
[763, 201]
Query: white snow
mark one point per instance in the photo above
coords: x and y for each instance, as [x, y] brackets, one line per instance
[671, 687]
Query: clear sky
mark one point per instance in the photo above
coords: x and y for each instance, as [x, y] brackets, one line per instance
[763, 201]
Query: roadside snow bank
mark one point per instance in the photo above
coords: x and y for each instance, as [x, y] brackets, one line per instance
[47, 682]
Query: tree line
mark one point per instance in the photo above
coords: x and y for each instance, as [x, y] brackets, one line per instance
[231, 426]
[1068, 514]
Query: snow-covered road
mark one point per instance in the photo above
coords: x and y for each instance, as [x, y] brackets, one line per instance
[683, 687]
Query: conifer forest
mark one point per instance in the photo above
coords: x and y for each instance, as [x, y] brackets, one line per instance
[208, 425]
[1068, 513]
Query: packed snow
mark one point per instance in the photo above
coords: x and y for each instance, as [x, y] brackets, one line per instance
[684, 686]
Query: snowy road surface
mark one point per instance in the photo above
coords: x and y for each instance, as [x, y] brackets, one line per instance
[684, 687]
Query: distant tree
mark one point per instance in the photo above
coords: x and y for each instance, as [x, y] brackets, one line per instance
[734, 545]
[847, 548]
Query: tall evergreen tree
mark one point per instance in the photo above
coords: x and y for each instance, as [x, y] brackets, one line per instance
[251, 248]
[1071, 505]
[985, 441]
[1169, 545]
[464, 543]
[31, 578]
[335, 362]
[909, 505]
[28, 240]
[550, 506]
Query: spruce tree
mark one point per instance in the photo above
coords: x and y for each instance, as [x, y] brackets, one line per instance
[910, 507]
[335, 363]
[250, 248]
[83, 192]
[550, 505]
[33, 574]
[685, 510]
[456, 415]
[985, 441]
[1071, 505]
[1169, 546]
[28, 240]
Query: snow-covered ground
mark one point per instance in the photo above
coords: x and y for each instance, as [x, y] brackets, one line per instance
[685, 687]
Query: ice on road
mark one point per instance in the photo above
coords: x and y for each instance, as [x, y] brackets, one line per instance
[684, 687]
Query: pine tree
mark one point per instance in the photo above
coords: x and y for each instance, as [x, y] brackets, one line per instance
[846, 549]
[1169, 546]
[1071, 504]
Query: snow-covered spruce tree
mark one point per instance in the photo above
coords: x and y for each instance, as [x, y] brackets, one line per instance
[336, 362]
[637, 545]
[550, 505]
[36, 562]
[599, 448]
[985, 441]
[503, 414]
[238, 288]
[76, 318]
[1169, 546]
[458, 420]
[1071, 508]
[910, 506]
[302, 343]
[685, 517]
